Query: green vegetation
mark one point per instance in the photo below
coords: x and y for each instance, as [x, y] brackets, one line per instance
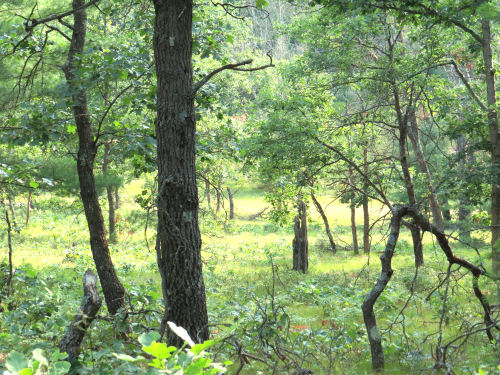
[249, 187]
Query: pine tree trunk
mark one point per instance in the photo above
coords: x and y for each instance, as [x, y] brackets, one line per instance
[114, 292]
[325, 222]
[300, 242]
[495, 145]
[178, 243]
[231, 203]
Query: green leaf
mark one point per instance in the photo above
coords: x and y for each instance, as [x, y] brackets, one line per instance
[198, 348]
[71, 129]
[159, 350]
[16, 362]
[261, 4]
[147, 338]
[26, 371]
[33, 184]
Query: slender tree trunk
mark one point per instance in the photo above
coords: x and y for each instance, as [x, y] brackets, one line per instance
[495, 145]
[463, 198]
[325, 221]
[110, 195]
[403, 160]
[366, 214]
[13, 212]
[178, 243]
[113, 290]
[9, 244]
[300, 242]
[219, 200]
[28, 207]
[414, 136]
[231, 203]
[354, 230]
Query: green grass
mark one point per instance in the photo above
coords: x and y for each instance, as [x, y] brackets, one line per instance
[238, 255]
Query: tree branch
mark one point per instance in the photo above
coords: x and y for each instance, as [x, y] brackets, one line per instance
[235, 66]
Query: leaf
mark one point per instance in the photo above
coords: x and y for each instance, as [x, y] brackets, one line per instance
[147, 338]
[198, 348]
[33, 184]
[159, 350]
[16, 362]
[261, 4]
[182, 333]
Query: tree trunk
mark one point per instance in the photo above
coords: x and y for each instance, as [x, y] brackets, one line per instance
[463, 198]
[114, 292]
[28, 207]
[13, 212]
[231, 203]
[366, 214]
[414, 136]
[9, 244]
[178, 244]
[354, 230]
[91, 303]
[219, 198]
[109, 193]
[300, 243]
[403, 160]
[495, 145]
[325, 221]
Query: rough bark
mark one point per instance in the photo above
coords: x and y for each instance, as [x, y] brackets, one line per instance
[495, 144]
[325, 222]
[300, 242]
[110, 196]
[398, 212]
[178, 243]
[231, 203]
[114, 292]
[414, 136]
[91, 303]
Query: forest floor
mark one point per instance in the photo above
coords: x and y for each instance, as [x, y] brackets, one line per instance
[252, 294]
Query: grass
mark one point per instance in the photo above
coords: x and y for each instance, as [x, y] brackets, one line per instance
[322, 307]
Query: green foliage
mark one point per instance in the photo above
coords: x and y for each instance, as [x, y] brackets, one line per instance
[38, 364]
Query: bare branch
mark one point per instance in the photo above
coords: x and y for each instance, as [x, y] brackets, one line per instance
[235, 66]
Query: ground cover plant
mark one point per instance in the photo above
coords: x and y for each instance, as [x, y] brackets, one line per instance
[261, 311]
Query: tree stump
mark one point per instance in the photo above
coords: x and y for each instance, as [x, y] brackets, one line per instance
[300, 243]
[91, 303]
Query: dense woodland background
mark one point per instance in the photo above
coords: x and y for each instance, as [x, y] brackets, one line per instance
[226, 175]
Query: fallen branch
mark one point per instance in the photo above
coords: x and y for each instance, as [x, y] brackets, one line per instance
[91, 303]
